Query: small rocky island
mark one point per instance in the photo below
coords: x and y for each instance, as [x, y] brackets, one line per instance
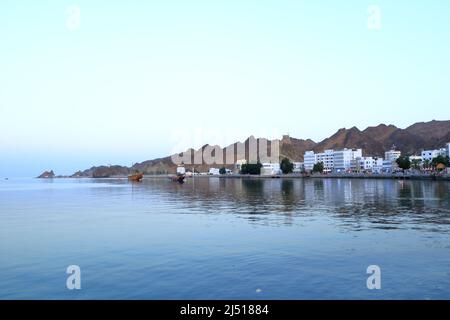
[47, 175]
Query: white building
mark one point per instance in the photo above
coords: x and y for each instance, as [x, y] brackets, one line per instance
[309, 160]
[415, 158]
[392, 155]
[388, 166]
[239, 163]
[370, 164]
[340, 160]
[181, 170]
[377, 165]
[327, 158]
[431, 154]
[345, 160]
[214, 171]
[269, 169]
[298, 167]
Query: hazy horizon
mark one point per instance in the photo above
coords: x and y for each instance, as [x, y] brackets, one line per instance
[86, 83]
[121, 160]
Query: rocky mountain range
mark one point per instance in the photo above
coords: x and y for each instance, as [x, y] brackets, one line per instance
[373, 140]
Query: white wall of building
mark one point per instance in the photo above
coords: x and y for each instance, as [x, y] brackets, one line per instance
[342, 160]
[214, 171]
[345, 160]
[181, 170]
[430, 154]
[370, 164]
[298, 167]
[327, 158]
[392, 155]
[309, 160]
[270, 169]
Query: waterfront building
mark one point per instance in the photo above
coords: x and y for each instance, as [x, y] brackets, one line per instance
[327, 158]
[418, 158]
[269, 169]
[333, 160]
[392, 155]
[214, 171]
[238, 165]
[346, 159]
[298, 167]
[388, 166]
[377, 166]
[181, 170]
[309, 160]
[369, 164]
[431, 154]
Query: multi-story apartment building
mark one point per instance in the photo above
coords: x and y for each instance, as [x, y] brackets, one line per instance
[392, 155]
[345, 160]
[327, 158]
[309, 160]
[431, 154]
[372, 164]
[333, 160]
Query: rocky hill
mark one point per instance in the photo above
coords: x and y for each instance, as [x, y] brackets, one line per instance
[373, 140]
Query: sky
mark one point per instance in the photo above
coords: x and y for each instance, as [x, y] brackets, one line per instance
[101, 82]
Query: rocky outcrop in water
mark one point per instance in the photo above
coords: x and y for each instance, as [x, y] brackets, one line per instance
[47, 175]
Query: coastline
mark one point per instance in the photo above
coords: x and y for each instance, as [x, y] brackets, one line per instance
[397, 176]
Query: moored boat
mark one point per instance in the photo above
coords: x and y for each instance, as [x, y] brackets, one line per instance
[136, 177]
[178, 178]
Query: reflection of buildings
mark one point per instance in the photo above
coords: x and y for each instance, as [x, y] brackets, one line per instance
[280, 200]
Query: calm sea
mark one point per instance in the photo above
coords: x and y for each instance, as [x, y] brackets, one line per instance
[224, 238]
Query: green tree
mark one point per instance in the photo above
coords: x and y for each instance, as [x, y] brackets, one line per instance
[440, 159]
[251, 168]
[286, 166]
[426, 164]
[415, 164]
[222, 170]
[318, 167]
[403, 162]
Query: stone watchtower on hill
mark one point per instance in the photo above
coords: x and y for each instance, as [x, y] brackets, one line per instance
[286, 139]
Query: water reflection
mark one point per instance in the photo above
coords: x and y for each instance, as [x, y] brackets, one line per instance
[295, 238]
[353, 203]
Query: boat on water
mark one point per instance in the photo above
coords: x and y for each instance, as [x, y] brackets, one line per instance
[178, 178]
[180, 175]
[136, 177]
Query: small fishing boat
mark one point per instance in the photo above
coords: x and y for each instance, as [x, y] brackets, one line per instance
[178, 178]
[136, 177]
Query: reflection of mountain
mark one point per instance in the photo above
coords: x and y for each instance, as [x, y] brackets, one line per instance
[373, 140]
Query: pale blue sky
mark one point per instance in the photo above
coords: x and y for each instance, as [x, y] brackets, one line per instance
[135, 76]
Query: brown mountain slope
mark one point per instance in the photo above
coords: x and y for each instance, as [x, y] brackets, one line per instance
[373, 140]
[380, 132]
[376, 140]
[351, 138]
[432, 129]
